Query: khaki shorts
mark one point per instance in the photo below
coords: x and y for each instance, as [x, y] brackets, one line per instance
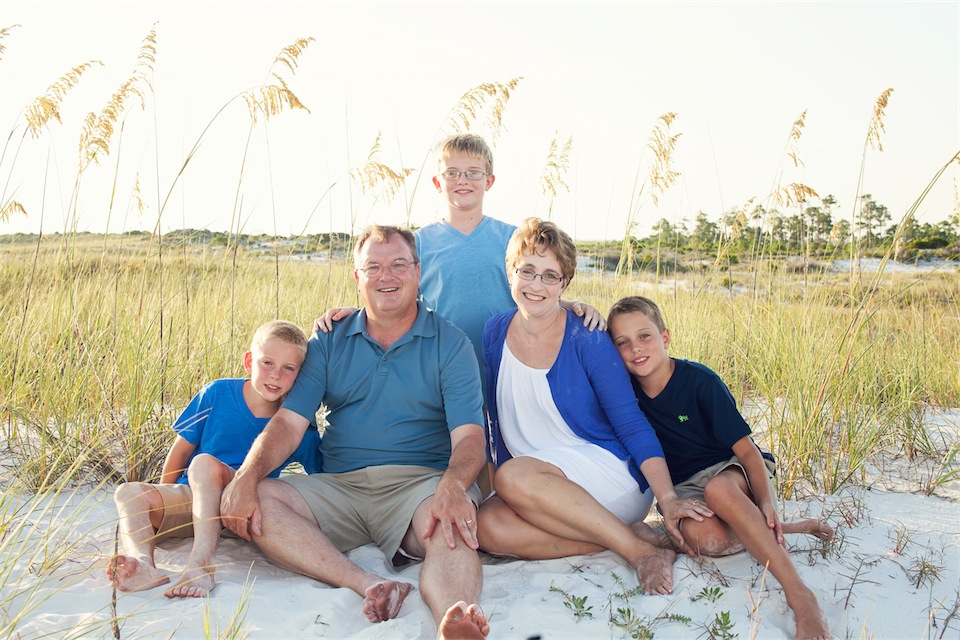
[374, 504]
[693, 486]
[177, 519]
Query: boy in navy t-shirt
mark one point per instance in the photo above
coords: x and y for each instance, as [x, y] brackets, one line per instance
[214, 434]
[712, 457]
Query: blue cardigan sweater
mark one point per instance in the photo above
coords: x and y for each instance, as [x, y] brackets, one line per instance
[591, 388]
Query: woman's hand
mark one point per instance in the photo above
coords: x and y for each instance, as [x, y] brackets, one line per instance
[674, 508]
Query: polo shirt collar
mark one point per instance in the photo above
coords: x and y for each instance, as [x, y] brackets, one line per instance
[423, 325]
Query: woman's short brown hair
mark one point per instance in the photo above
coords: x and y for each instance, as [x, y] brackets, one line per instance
[536, 236]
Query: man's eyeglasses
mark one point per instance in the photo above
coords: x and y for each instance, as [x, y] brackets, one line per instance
[397, 268]
[546, 278]
[471, 174]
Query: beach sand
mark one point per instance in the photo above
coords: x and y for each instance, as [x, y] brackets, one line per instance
[893, 571]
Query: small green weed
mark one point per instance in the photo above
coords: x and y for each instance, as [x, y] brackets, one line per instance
[721, 628]
[710, 594]
[576, 604]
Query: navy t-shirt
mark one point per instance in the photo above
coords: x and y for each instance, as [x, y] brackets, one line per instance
[696, 419]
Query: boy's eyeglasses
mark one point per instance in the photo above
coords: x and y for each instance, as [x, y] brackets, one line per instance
[472, 174]
[397, 268]
[546, 278]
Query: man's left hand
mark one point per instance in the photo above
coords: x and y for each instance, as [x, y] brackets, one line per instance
[452, 508]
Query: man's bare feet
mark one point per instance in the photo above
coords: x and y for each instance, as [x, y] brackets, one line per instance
[462, 621]
[193, 583]
[811, 527]
[655, 571]
[382, 600]
[811, 625]
[131, 574]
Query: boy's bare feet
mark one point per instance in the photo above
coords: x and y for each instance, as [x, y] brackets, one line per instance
[131, 574]
[811, 527]
[193, 583]
[462, 621]
[655, 571]
[383, 599]
[811, 625]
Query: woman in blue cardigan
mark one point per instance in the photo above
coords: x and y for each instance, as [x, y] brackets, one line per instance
[576, 462]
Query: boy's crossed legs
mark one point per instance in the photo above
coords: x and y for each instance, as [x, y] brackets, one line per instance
[739, 524]
[149, 513]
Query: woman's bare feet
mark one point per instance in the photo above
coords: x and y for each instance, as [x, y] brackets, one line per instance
[811, 527]
[382, 600]
[193, 583]
[655, 571]
[811, 625]
[131, 574]
[462, 621]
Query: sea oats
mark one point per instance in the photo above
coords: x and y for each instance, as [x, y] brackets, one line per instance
[272, 99]
[662, 176]
[489, 98]
[11, 208]
[4, 32]
[39, 112]
[796, 131]
[289, 54]
[792, 194]
[373, 174]
[876, 121]
[557, 165]
[98, 129]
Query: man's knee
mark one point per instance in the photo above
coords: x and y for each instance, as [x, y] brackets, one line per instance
[278, 498]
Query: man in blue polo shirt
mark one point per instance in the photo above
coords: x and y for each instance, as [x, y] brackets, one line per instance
[401, 453]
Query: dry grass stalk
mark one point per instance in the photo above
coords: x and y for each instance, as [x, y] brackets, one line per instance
[4, 32]
[796, 131]
[662, 176]
[489, 99]
[272, 99]
[373, 174]
[876, 121]
[11, 208]
[557, 165]
[289, 55]
[793, 194]
[99, 129]
[43, 108]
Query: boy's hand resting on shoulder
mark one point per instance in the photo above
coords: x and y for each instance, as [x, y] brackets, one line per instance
[325, 322]
[592, 318]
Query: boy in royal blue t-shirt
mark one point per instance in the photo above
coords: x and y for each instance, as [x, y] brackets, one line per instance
[712, 457]
[214, 434]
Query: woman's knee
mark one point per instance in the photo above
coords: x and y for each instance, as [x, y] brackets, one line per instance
[515, 477]
[494, 519]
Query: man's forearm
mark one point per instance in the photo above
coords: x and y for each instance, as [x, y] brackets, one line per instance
[466, 460]
[272, 447]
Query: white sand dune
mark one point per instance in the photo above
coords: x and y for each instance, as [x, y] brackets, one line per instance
[867, 588]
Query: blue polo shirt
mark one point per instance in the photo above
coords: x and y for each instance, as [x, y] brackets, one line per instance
[389, 407]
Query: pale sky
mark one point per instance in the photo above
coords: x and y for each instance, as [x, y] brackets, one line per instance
[736, 74]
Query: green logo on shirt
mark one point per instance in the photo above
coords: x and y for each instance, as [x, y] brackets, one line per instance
[683, 418]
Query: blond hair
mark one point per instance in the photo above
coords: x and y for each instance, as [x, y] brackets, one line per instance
[637, 304]
[536, 236]
[468, 144]
[381, 233]
[279, 330]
